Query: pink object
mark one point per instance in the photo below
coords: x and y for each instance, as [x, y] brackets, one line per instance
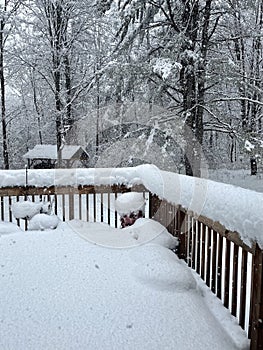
[128, 220]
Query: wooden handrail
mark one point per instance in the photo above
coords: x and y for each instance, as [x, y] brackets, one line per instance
[80, 189]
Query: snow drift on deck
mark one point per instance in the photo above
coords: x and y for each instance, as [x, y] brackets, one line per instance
[59, 291]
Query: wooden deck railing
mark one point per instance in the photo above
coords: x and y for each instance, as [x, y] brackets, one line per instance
[230, 268]
[89, 203]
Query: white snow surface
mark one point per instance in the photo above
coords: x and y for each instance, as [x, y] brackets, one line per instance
[141, 232]
[236, 208]
[25, 209]
[7, 228]
[129, 202]
[43, 222]
[59, 291]
[50, 152]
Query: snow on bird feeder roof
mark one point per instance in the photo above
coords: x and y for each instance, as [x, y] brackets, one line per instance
[49, 153]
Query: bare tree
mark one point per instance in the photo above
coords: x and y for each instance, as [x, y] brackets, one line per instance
[8, 9]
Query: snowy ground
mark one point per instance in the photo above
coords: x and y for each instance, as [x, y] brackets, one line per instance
[241, 178]
[60, 290]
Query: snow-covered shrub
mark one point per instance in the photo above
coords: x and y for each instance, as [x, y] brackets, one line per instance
[38, 214]
[43, 222]
[28, 209]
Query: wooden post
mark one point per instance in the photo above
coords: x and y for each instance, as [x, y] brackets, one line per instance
[154, 205]
[257, 301]
[227, 274]
[2, 208]
[219, 267]
[213, 266]
[235, 281]
[181, 234]
[203, 249]
[208, 259]
[243, 290]
[193, 247]
[71, 206]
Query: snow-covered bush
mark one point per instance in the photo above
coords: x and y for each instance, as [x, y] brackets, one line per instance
[38, 214]
[25, 209]
[28, 209]
[43, 222]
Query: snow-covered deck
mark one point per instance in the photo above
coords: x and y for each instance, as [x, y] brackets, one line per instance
[60, 291]
[219, 226]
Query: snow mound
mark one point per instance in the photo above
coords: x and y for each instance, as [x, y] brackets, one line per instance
[60, 292]
[43, 222]
[25, 209]
[159, 268]
[148, 230]
[7, 228]
[129, 202]
[143, 231]
[28, 209]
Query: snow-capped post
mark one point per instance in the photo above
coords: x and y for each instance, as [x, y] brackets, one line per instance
[256, 313]
[26, 183]
[26, 175]
[130, 206]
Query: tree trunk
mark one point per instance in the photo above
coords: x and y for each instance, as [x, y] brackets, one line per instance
[69, 118]
[240, 56]
[190, 20]
[193, 83]
[2, 88]
[57, 27]
[38, 110]
[59, 122]
[256, 69]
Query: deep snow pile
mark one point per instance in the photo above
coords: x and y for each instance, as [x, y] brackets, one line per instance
[59, 291]
[25, 209]
[43, 222]
[39, 214]
[236, 208]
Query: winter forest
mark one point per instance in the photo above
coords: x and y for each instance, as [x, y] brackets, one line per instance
[133, 79]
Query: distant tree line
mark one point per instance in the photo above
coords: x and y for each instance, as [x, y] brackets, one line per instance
[201, 60]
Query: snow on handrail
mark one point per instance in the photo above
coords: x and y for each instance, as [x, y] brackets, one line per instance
[239, 210]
